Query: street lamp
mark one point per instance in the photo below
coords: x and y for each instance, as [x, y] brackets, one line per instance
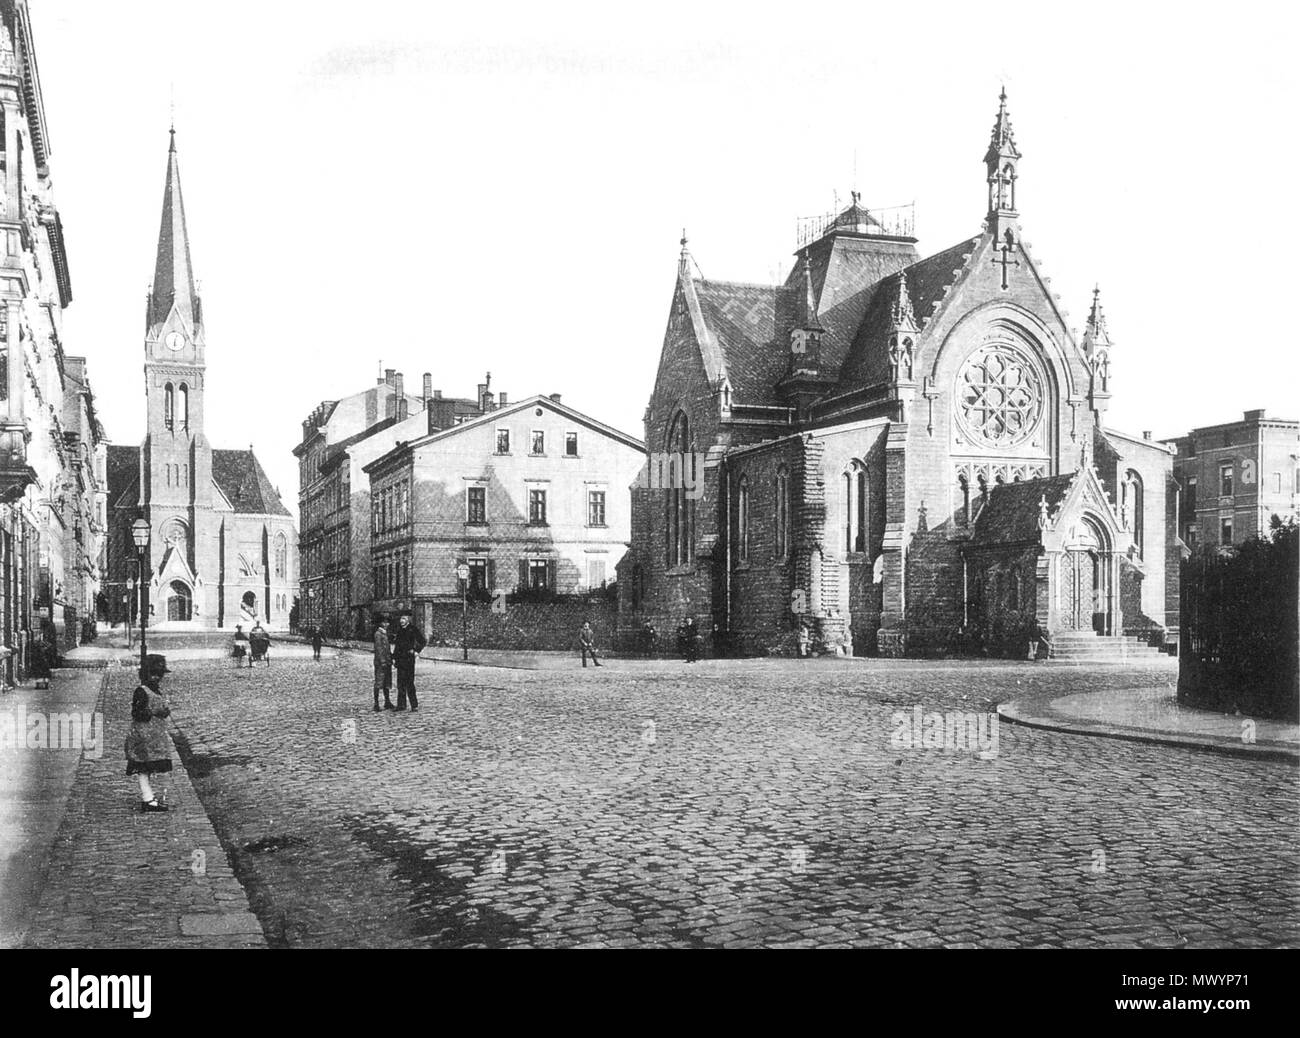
[462, 571]
[140, 534]
[126, 611]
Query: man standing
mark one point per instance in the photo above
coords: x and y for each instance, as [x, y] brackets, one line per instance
[315, 642]
[383, 664]
[587, 639]
[408, 644]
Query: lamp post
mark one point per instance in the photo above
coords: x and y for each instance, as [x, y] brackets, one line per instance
[140, 534]
[126, 611]
[462, 571]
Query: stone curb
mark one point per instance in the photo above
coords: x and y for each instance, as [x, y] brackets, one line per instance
[1022, 713]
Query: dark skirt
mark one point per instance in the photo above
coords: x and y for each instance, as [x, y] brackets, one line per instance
[149, 767]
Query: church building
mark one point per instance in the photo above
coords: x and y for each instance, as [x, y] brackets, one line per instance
[222, 547]
[898, 455]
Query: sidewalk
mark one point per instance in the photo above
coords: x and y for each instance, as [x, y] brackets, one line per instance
[1154, 716]
[34, 788]
[112, 877]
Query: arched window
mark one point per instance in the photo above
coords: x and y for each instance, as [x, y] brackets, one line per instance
[169, 406]
[855, 501]
[781, 513]
[636, 586]
[281, 557]
[682, 480]
[1132, 497]
[183, 408]
[742, 520]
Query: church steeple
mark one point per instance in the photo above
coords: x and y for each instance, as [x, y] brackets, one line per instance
[1001, 161]
[173, 277]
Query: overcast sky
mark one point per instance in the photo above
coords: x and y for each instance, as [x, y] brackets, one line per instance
[458, 188]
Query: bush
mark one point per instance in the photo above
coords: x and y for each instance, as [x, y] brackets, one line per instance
[1239, 642]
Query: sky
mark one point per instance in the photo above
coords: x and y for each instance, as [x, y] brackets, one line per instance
[463, 188]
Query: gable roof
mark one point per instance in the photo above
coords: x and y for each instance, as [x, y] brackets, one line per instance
[1013, 509]
[490, 418]
[239, 476]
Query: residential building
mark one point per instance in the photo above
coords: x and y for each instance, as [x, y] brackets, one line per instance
[1236, 477]
[531, 496]
[49, 435]
[338, 438]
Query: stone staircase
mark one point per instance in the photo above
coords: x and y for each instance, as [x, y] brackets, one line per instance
[1087, 647]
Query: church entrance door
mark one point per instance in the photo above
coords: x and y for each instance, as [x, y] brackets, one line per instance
[1081, 585]
[180, 605]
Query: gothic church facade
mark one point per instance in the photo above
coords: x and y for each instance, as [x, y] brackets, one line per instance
[894, 454]
[223, 548]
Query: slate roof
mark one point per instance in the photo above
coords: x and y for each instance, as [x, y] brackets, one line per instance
[927, 281]
[240, 477]
[742, 320]
[122, 471]
[847, 273]
[173, 276]
[1012, 511]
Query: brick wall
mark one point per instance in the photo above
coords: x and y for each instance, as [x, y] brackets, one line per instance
[528, 626]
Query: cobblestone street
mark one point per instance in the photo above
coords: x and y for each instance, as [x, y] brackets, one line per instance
[754, 803]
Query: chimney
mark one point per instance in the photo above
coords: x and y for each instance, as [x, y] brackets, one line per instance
[1255, 416]
[441, 413]
[399, 395]
[1146, 434]
[388, 375]
[428, 388]
[501, 400]
[555, 397]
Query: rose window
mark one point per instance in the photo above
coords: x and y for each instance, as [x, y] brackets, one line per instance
[999, 396]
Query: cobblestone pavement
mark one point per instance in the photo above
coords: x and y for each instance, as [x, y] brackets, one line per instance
[726, 804]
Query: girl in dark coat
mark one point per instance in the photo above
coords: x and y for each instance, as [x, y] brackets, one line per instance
[147, 747]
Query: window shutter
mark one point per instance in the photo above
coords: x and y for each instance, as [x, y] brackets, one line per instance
[550, 575]
[523, 574]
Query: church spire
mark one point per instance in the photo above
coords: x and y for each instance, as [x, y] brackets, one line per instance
[1001, 160]
[173, 276]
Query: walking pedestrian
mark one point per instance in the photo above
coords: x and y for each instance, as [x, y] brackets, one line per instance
[587, 639]
[383, 664]
[315, 643]
[147, 750]
[692, 640]
[407, 645]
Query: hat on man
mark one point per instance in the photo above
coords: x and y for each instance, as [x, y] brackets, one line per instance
[155, 663]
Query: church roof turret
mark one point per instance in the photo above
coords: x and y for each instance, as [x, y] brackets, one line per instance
[173, 276]
[1003, 141]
